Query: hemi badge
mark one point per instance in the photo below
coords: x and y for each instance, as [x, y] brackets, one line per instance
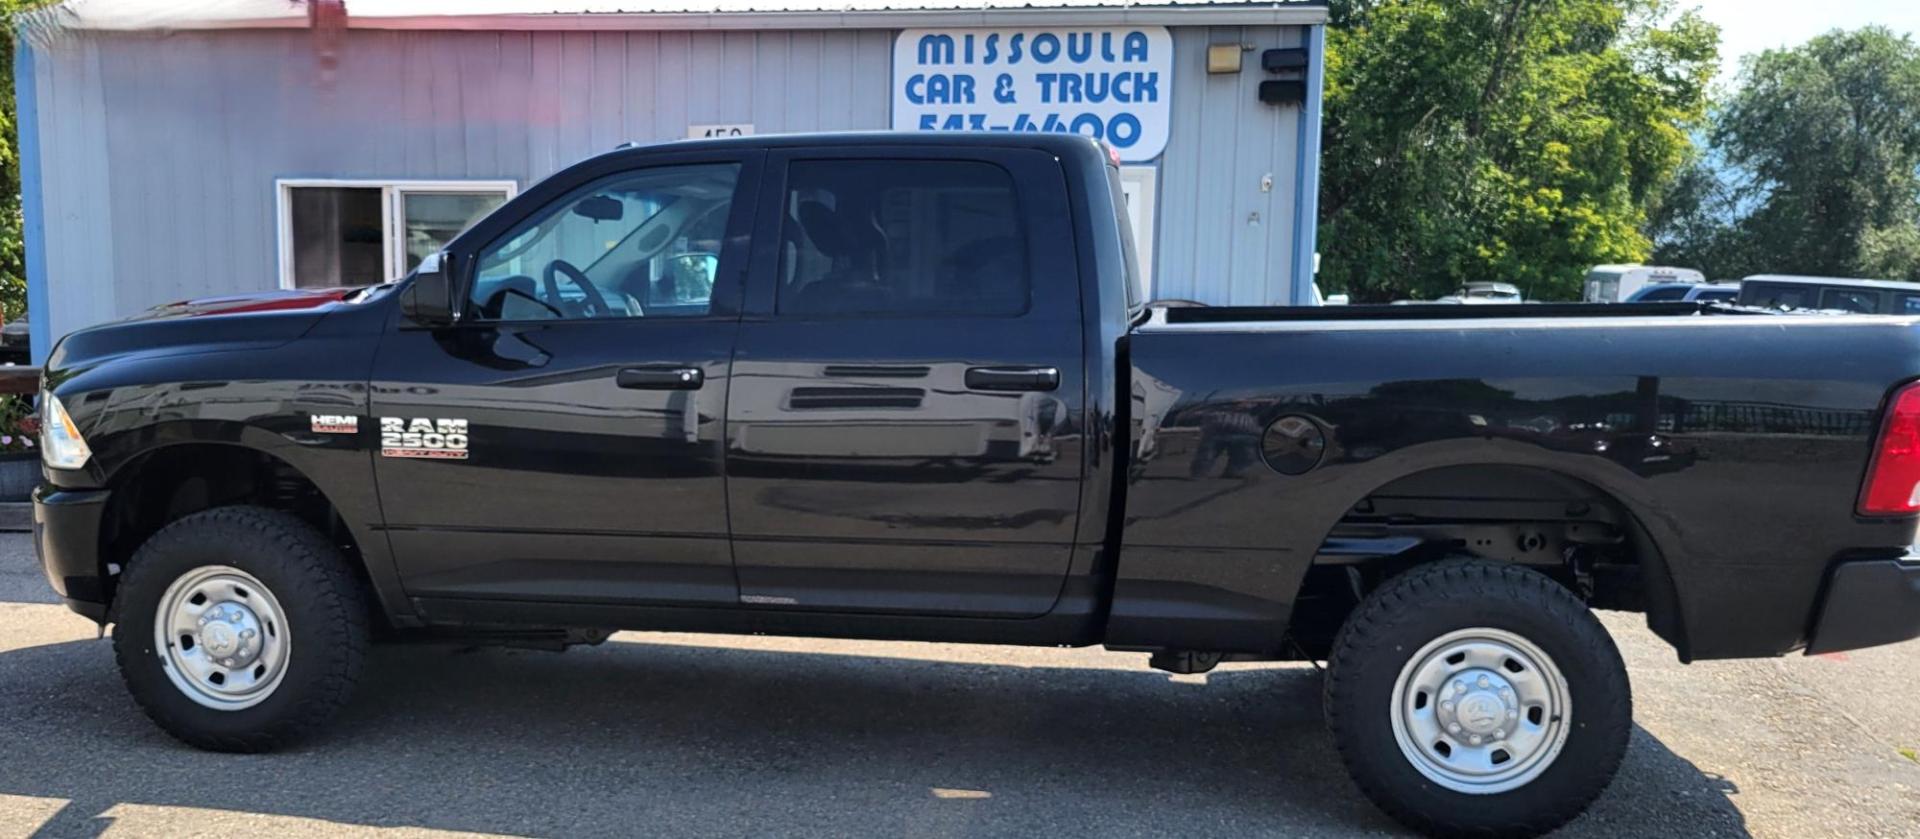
[335, 424]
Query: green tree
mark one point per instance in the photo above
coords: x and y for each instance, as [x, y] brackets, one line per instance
[13, 250]
[1815, 165]
[1511, 140]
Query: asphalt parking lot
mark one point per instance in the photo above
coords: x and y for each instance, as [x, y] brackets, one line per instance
[689, 735]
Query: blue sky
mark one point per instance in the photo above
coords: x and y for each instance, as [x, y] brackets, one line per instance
[1749, 26]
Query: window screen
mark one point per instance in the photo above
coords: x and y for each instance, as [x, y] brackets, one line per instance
[339, 237]
[902, 237]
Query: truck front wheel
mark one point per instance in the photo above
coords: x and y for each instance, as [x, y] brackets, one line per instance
[1470, 697]
[239, 629]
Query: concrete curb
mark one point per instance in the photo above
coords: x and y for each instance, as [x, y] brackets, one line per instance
[16, 516]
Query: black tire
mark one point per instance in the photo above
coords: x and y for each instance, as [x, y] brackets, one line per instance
[1392, 625]
[326, 616]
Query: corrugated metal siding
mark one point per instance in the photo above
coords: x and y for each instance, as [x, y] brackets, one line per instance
[161, 151]
[74, 190]
[1224, 241]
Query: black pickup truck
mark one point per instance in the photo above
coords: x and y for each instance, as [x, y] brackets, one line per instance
[903, 387]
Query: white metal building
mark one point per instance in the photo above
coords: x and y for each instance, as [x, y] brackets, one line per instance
[173, 150]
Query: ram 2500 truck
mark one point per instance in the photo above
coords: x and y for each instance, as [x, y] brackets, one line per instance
[902, 387]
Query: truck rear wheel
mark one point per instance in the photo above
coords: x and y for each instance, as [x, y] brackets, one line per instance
[239, 629]
[1470, 697]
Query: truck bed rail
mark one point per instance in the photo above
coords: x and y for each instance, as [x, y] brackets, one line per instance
[1235, 314]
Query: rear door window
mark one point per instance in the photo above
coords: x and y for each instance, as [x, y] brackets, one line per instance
[1861, 301]
[902, 237]
[1771, 296]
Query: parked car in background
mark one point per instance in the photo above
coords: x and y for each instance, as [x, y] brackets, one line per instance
[1830, 294]
[1616, 283]
[16, 343]
[1484, 293]
[1686, 293]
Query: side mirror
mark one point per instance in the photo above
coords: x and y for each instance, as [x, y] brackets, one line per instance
[600, 208]
[428, 300]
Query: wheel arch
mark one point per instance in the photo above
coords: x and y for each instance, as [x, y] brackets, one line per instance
[1524, 480]
[180, 477]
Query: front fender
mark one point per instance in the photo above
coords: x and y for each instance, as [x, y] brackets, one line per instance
[263, 400]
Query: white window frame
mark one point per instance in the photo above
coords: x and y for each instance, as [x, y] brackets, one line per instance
[391, 190]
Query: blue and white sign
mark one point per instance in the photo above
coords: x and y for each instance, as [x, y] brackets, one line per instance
[1109, 83]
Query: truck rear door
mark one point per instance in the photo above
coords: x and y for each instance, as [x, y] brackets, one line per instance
[904, 418]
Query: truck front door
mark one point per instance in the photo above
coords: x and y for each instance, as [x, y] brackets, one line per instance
[563, 440]
[904, 432]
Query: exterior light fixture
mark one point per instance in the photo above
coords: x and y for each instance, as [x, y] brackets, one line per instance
[1223, 58]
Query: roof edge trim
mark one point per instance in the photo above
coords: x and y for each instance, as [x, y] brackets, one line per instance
[1276, 14]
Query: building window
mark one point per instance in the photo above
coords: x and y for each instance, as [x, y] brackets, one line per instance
[356, 232]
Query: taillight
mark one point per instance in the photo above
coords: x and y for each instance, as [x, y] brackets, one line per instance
[1893, 478]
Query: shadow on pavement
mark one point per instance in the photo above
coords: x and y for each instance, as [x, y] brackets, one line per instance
[656, 739]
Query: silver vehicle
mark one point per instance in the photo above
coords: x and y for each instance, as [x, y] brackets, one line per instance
[1484, 293]
[1830, 294]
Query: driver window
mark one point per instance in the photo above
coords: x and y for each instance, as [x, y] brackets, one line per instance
[638, 244]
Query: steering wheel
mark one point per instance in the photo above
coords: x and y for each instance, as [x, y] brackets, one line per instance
[596, 305]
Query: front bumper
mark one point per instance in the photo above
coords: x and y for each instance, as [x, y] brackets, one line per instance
[66, 533]
[1869, 603]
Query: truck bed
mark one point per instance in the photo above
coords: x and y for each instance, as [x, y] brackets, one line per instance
[1696, 421]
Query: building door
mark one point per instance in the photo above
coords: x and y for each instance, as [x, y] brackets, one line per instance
[564, 440]
[904, 429]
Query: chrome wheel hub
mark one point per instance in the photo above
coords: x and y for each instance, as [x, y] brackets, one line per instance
[222, 638]
[230, 632]
[1481, 711]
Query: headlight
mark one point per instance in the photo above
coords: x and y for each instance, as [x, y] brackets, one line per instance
[61, 445]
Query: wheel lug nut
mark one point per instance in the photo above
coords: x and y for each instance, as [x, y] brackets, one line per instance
[227, 663]
[1483, 681]
[1499, 734]
[246, 633]
[1459, 687]
[1475, 740]
[1447, 705]
[1453, 728]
